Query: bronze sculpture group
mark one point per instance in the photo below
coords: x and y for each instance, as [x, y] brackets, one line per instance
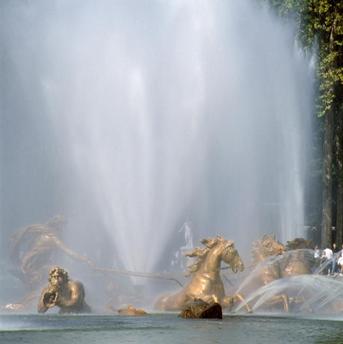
[203, 296]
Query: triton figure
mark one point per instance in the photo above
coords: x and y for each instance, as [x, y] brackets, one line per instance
[64, 293]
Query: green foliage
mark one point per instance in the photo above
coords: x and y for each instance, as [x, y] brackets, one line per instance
[320, 30]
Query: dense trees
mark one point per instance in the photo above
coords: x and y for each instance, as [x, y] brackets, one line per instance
[320, 30]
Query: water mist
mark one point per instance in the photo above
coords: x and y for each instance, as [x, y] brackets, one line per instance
[133, 117]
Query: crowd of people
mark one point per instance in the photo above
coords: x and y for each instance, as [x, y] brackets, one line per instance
[333, 256]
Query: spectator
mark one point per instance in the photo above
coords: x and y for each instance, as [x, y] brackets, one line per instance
[340, 263]
[327, 257]
[316, 253]
[335, 251]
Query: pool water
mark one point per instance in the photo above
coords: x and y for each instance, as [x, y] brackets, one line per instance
[167, 328]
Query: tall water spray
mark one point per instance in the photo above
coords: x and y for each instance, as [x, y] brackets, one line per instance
[132, 117]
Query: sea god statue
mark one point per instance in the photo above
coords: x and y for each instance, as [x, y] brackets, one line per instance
[64, 293]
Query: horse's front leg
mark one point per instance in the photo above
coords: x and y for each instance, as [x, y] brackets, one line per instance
[172, 302]
[230, 301]
[210, 298]
[283, 298]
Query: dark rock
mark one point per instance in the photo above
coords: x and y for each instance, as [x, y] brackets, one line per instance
[199, 309]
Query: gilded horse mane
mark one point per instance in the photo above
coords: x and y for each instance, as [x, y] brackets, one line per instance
[266, 247]
[299, 243]
[200, 253]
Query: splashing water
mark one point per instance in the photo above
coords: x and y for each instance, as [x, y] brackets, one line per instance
[307, 294]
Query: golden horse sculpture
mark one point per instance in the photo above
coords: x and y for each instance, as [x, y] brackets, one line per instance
[288, 261]
[206, 283]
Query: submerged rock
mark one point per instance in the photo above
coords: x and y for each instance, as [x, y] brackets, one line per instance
[199, 309]
[132, 311]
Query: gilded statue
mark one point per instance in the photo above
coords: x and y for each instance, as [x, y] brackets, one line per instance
[131, 311]
[32, 251]
[272, 261]
[206, 283]
[64, 293]
[299, 243]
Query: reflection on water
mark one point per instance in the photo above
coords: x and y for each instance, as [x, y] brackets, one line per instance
[167, 328]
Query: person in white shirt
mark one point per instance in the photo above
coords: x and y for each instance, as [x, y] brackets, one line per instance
[340, 263]
[316, 252]
[327, 255]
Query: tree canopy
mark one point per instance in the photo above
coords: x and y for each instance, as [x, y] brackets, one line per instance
[320, 30]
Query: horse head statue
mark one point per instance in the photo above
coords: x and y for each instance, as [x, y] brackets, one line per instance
[206, 283]
[216, 250]
[266, 247]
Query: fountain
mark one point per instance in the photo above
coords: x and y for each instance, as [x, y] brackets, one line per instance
[151, 125]
[134, 118]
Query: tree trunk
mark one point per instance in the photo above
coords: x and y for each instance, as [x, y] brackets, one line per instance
[327, 162]
[339, 171]
[327, 181]
[339, 216]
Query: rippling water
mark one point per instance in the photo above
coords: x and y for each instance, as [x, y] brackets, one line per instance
[167, 328]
